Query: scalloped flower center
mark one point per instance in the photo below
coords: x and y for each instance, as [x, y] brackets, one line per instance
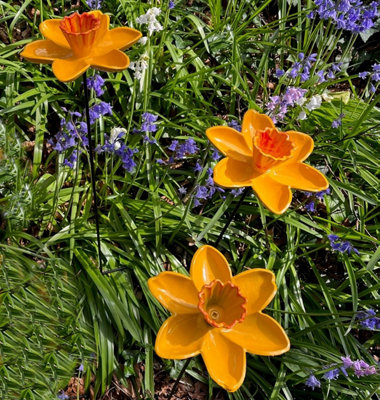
[222, 305]
[80, 32]
[270, 148]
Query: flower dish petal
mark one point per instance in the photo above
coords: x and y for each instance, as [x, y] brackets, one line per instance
[275, 196]
[252, 123]
[257, 286]
[118, 38]
[207, 265]
[304, 145]
[51, 30]
[44, 51]
[232, 173]
[175, 291]
[259, 334]
[230, 142]
[113, 61]
[70, 69]
[225, 361]
[181, 336]
[300, 176]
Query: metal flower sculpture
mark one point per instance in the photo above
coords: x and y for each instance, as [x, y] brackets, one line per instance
[218, 316]
[268, 160]
[75, 43]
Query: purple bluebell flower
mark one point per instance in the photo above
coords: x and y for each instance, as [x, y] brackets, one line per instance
[171, 4]
[341, 246]
[376, 67]
[321, 76]
[332, 375]
[279, 73]
[368, 319]
[347, 362]
[235, 125]
[81, 368]
[94, 4]
[173, 145]
[215, 155]
[160, 161]
[99, 110]
[313, 382]
[372, 88]
[330, 74]
[201, 192]
[376, 77]
[310, 206]
[148, 122]
[338, 122]
[320, 195]
[237, 192]
[62, 395]
[182, 190]
[198, 167]
[96, 82]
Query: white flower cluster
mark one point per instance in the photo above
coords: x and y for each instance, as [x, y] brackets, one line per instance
[139, 66]
[115, 135]
[314, 103]
[150, 19]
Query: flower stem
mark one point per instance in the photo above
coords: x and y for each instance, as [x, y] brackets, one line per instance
[174, 388]
[235, 210]
[92, 169]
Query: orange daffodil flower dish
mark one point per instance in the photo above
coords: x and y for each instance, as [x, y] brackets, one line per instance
[218, 316]
[268, 160]
[75, 43]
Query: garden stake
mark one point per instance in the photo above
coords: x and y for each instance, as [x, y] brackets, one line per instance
[235, 210]
[92, 169]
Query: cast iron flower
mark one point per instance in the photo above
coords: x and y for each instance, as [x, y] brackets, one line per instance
[75, 43]
[268, 160]
[218, 316]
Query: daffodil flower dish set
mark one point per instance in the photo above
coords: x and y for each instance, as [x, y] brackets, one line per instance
[213, 313]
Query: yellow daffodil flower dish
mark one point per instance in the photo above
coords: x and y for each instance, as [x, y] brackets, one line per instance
[80, 41]
[218, 316]
[268, 160]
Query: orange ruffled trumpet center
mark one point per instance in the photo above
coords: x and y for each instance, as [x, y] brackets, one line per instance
[270, 148]
[222, 305]
[80, 32]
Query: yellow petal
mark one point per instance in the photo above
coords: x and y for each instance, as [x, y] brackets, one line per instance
[225, 361]
[252, 123]
[230, 142]
[181, 336]
[51, 30]
[175, 292]
[118, 38]
[70, 69]
[232, 173]
[44, 51]
[259, 334]
[257, 286]
[207, 265]
[275, 196]
[300, 176]
[304, 145]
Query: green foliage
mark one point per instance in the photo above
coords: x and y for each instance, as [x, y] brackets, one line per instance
[211, 61]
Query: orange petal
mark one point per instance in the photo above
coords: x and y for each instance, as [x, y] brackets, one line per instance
[232, 173]
[253, 122]
[51, 30]
[225, 361]
[113, 61]
[275, 196]
[304, 145]
[118, 38]
[300, 176]
[175, 292]
[230, 142]
[181, 336]
[207, 265]
[257, 286]
[259, 334]
[70, 69]
[44, 51]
